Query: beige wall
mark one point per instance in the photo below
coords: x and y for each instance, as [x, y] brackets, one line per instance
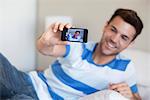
[92, 14]
[148, 28]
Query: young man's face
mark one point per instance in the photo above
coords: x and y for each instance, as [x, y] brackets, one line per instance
[77, 33]
[117, 35]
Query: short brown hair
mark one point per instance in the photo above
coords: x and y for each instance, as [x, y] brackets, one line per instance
[131, 17]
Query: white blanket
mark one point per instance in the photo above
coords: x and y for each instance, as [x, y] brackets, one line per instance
[104, 95]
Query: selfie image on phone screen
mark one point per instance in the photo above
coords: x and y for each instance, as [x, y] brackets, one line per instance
[75, 35]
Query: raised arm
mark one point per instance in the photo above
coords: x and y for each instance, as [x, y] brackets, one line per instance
[49, 43]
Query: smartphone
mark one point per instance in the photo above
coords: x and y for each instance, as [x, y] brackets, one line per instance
[74, 35]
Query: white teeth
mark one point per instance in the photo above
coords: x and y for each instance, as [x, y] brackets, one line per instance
[110, 45]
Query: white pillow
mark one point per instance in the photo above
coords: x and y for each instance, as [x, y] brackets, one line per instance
[141, 60]
[144, 92]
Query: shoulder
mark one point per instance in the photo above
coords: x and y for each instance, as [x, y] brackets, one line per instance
[125, 62]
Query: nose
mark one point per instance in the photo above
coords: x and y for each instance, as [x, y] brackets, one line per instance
[115, 38]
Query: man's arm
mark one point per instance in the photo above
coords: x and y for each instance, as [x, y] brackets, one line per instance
[125, 90]
[50, 42]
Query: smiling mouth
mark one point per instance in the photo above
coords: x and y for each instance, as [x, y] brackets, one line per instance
[111, 45]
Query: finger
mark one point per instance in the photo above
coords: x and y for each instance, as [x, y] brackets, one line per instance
[114, 86]
[125, 91]
[122, 89]
[56, 26]
[61, 26]
[124, 84]
[68, 25]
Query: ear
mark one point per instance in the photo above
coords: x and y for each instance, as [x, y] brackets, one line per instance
[105, 26]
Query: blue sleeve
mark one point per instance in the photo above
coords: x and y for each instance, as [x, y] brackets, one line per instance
[67, 50]
[134, 89]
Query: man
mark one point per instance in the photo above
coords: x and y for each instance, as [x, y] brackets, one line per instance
[82, 69]
[76, 35]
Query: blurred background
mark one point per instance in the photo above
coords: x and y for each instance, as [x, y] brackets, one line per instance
[23, 21]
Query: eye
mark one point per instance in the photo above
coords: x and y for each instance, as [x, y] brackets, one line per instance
[125, 38]
[113, 30]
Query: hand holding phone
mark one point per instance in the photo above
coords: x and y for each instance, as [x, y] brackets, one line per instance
[74, 35]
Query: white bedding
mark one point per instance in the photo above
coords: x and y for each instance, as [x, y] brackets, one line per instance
[104, 95]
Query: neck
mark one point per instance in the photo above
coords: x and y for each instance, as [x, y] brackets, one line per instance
[100, 58]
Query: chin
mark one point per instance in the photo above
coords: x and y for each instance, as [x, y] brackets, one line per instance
[109, 53]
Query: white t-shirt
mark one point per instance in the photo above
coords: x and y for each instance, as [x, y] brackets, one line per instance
[76, 75]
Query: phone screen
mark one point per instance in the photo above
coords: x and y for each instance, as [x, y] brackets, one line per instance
[74, 35]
